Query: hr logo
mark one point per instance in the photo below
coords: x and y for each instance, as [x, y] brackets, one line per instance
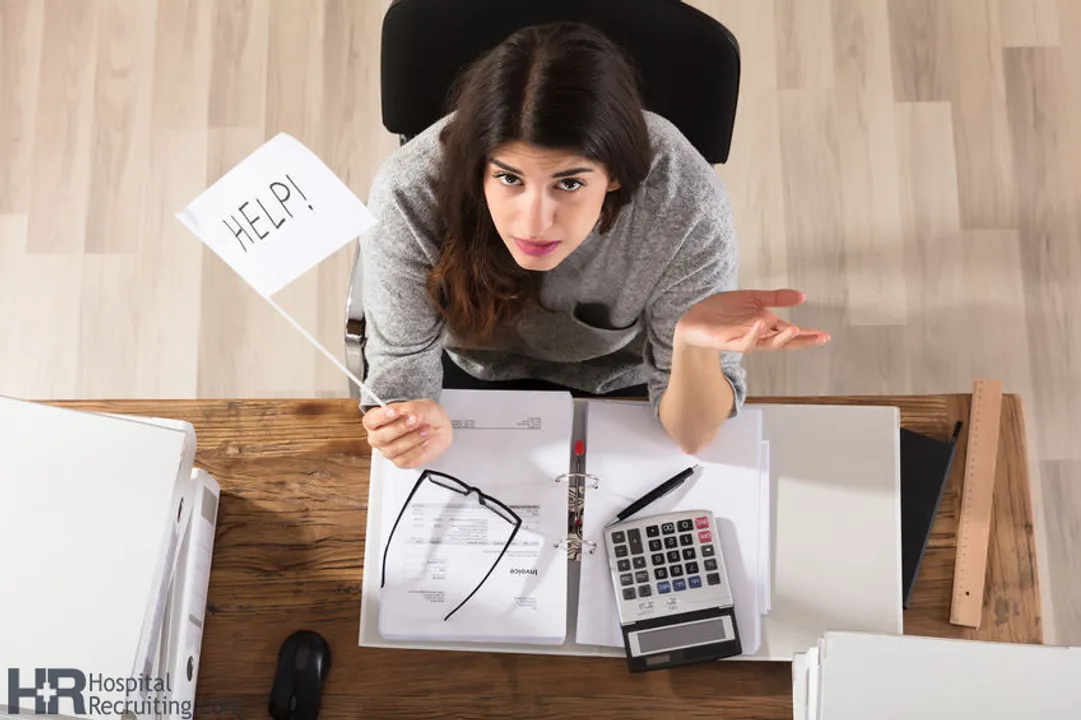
[48, 689]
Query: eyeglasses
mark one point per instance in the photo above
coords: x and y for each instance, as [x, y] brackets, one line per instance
[455, 485]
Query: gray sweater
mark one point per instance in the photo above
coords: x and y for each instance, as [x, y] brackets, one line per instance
[614, 301]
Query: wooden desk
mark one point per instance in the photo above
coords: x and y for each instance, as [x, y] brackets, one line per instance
[290, 548]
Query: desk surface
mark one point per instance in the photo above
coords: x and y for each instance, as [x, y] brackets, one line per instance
[289, 555]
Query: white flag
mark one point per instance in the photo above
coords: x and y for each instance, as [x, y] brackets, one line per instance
[277, 214]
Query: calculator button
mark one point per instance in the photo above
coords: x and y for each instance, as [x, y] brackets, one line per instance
[634, 539]
[705, 536]
[688, 553]
[617, 537]
[628, 593]
[624, 565]
[639, 562]
[701, 522]
[657, 558]
[687, 539]
[644, 591]
[673, 556]
[694, 582]
[626, 579]
[675, 571]
[671, 542]
[708, 551]
[661, 573]
[668, 528]
[653, 531]
[654, 545]
[621, 551]
[710, 564]
[692, 568]
[713, 578]
[664, 587]
[641, 576]
[676, 585]
[686, 526]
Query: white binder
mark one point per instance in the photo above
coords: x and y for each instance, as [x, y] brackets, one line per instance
[100, 508]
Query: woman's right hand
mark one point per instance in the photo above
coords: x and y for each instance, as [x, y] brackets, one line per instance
[411, 433]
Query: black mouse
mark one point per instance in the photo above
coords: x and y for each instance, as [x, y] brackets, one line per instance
[303, 664]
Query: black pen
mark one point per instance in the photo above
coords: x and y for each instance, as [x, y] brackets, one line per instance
[655, 494]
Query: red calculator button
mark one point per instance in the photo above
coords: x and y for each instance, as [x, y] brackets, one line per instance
[705, 536]
[702, 522]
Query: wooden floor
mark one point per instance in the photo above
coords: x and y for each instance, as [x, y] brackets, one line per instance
[914, 165]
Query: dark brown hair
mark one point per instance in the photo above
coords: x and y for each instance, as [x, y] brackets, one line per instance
[563, 86]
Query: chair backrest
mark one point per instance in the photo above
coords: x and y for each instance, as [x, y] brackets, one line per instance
[688, 63]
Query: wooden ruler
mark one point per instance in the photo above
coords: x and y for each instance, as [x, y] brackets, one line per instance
[974, 525]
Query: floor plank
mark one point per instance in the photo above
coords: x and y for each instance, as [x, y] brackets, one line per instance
[20, 60]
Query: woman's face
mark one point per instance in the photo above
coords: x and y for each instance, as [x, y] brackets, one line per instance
[544, 202]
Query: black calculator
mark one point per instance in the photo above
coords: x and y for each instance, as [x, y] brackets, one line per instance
[675, 602]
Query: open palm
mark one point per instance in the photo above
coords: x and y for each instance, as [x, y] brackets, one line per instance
[741, 321]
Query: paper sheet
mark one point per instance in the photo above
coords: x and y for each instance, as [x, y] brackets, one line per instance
[765, 549]
[512, 448]
[631, 453]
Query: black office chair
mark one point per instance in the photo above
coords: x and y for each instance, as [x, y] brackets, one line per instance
[688, 65]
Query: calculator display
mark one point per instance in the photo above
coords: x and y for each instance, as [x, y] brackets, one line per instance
[697, 633]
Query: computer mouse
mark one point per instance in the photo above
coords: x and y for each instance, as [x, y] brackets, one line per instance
[303, 664]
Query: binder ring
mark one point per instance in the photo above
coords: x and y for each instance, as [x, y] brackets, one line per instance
[596, 480]
[564, 542]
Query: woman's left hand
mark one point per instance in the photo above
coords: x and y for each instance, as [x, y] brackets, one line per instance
[740, 321]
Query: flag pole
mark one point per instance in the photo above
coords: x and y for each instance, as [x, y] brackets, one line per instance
[322, 349]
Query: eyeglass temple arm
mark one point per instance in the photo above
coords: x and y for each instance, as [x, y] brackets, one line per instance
[503, 552]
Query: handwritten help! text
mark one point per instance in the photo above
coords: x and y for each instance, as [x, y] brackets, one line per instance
[282, 195]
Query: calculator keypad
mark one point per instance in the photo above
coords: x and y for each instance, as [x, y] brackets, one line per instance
[665, 558]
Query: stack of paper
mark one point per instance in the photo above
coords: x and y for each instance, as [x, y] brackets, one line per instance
[511, 447]
[853, 676]
[108, 531]
[630, 453]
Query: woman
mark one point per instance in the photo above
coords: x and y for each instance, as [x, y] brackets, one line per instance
[551, 229]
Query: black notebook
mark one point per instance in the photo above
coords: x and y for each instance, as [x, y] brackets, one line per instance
[925, 465]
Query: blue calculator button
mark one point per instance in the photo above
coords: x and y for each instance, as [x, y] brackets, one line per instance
[680, 584]
[695, 582]
[663, 587]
